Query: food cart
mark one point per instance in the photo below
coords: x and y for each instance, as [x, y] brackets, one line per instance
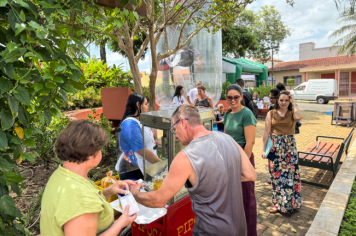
[179, 219]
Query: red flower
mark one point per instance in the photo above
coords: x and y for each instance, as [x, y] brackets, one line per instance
[271, 164]
[276, 174]
[298, 187]
[292, 202]
[292, 167]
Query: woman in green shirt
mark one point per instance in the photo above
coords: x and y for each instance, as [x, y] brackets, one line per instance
[240, 124]
[71, 203]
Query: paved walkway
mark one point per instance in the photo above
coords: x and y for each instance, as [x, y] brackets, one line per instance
[297, 223]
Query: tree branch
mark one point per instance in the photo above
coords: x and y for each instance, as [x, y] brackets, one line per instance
[135, 28]
[166, 39]
[142, 49]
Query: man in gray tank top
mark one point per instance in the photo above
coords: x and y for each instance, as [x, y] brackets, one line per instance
[212, 166]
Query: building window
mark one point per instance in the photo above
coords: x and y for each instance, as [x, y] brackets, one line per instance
[297, 79]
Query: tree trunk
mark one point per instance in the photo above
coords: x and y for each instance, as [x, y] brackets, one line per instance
[135, 71]
[154, 70]
[103, 52]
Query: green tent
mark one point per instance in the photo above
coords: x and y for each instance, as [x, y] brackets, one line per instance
[234, 68]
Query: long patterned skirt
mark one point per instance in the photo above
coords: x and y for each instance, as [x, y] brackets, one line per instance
[285, 174]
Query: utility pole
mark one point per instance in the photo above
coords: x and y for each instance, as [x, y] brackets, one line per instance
[272, 47]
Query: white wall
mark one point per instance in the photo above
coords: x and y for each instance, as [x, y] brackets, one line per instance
[308, 51]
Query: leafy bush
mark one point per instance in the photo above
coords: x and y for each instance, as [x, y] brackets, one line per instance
[46, 135]
[98, 76]
[348, 225]
[262, 91]
[89, 98]
[223, 92]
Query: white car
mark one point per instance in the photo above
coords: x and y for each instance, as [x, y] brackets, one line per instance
[320, 90]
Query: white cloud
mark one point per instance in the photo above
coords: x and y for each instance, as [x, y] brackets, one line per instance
[310, 21]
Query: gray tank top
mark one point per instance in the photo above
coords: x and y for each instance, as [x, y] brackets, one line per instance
[217, 194]
[204, 103]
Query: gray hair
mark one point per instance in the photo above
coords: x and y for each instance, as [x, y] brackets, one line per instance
[198, 82]
[187, 111]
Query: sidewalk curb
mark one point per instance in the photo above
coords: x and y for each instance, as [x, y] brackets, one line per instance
[331, 212]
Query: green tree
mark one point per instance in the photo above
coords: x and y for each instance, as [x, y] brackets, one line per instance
[346, 34]
[270, 31]
[36, 75]
[238, 39]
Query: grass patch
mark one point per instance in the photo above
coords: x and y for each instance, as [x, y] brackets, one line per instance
[348, 224]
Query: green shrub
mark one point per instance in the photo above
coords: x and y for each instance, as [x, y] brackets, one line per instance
[262, 91]
[89, 98]
[348, 225]
[46, 136]
[290, 82]
[223, 92]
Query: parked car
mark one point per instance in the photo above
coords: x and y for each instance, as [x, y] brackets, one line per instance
[320, 90]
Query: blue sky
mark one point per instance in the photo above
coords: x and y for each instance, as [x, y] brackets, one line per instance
[310, 20]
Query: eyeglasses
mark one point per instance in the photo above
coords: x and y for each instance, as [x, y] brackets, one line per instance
[236, 97]
[171, 129]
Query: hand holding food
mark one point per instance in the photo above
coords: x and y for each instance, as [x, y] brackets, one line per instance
[119, 185]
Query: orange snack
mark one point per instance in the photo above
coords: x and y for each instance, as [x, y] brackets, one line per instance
[108, 180]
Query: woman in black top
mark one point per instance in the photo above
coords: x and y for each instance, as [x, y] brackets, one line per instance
[203, 101]
[219, 118]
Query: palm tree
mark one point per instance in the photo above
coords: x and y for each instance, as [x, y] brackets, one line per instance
[346, 34]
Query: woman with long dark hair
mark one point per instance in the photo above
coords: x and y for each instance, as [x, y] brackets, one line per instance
[285, 174]
[131, 142]
[178, 97]
[240, 124]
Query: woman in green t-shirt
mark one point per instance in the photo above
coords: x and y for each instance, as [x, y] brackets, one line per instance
[71, 203]
[240, 124]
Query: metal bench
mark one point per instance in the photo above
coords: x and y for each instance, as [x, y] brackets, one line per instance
[324, 155]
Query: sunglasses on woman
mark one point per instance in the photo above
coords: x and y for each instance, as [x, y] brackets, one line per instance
[236, 97]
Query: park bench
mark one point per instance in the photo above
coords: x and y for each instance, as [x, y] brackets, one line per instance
[325, 155]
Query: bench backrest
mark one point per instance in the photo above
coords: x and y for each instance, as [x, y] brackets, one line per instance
[344, 145]
[347, 141]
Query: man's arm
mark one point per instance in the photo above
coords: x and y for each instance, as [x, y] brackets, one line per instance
[248, 173]
[181, 169]
[149, 155]
[188, 99]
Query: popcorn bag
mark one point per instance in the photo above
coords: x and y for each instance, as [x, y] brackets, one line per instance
[108, 180]
[128, 199]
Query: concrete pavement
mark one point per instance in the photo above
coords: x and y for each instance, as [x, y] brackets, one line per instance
[315, 107]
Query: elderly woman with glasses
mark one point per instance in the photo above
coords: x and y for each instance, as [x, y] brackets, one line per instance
[284, 167]
[240, 124]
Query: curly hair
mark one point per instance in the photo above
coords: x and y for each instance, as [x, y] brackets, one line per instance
[80, 140]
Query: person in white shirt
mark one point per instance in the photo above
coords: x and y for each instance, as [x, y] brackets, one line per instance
[193, 93]
[178, 98]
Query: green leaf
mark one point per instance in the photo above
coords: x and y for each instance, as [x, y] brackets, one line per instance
[124, 2]
[41, 118]
[13, 178]
[74, 67]
[38, 86]
[44, 91]
[16, 189]
[51, 85]
[132, 17]
[64, 95]
[26, 156]
[4, 164]
[22, 16]
[27, 132]
[5, 85]
[3, 3]
[13, 106]
[19, 28]
[22, 95]
[6, 119]
[62, 12]
[9, 70]
[133, 2]
[118, 23]
[17, 152]
[2, 226]
[54, 112]
[12, 46]
[29, 143]
[7, 205]
[47, 76]
[61, 67]
[35, 25]
[22, 3]
[15, 140]
[23, 116]
[77, 85]
[58, 79]
[14, 55]
[3, 141]
[69, 88]
[29, 54]
[48, 116]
